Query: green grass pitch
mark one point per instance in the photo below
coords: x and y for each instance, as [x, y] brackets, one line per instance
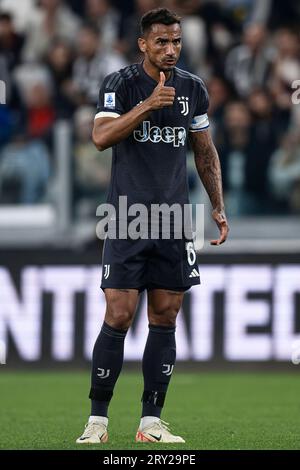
[212, 410]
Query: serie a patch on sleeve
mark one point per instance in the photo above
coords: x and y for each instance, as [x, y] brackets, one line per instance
[110, 100]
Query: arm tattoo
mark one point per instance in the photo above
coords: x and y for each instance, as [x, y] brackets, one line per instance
[208, 167]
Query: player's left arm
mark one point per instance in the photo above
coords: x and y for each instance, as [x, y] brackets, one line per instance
[209, 170]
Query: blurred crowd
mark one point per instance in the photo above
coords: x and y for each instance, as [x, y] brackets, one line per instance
[54, 55]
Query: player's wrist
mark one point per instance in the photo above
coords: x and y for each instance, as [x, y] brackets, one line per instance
[219, 210]
[147, 106]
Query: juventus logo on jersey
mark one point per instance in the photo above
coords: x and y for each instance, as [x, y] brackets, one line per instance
[103, 374]
[184, 101]
[106, 271]
[169, 369]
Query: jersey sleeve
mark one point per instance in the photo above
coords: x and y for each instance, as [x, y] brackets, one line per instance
[111, 101]
[200, 120]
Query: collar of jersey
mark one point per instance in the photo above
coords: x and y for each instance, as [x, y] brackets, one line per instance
[150, 79]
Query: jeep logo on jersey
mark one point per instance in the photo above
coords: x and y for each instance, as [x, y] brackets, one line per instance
[168, 135]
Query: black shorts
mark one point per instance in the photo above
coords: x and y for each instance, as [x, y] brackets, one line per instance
[149, 264]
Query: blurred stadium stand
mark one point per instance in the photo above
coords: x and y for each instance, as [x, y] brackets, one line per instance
[53, 57]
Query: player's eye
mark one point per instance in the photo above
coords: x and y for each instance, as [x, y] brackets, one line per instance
[162, 42]
[177, 41]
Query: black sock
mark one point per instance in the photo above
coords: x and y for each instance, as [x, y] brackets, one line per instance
[107, 363]
[158, 363]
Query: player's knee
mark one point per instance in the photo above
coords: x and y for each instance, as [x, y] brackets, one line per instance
[120, 319]
[164, 315]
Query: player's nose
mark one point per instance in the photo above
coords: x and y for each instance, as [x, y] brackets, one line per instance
[170, 50]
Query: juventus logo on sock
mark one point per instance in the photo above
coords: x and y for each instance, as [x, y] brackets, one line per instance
[103, 374]
[169, 369]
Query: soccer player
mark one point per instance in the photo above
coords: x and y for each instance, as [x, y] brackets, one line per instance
[145, 113]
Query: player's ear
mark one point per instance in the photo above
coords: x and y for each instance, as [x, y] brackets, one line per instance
[142, 44]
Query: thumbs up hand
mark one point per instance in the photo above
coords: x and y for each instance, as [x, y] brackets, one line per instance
[162, 95]
[162, 79]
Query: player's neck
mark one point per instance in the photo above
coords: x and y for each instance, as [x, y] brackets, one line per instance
[154, 72]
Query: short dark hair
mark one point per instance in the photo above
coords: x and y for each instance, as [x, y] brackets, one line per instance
[5, 16]
[159, 15]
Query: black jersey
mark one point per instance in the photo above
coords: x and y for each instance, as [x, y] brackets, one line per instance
[149, 166]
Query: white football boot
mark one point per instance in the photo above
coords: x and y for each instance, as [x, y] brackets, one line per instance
[94, 433]
[157, 431]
